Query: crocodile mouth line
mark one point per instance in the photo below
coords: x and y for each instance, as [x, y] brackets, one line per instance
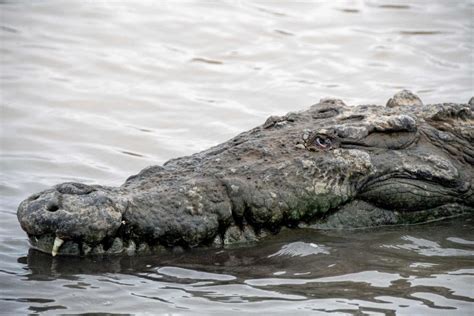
[118, 245]
[128, 243]
[366, 215]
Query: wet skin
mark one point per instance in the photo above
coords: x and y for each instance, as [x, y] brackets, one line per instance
[331, 166]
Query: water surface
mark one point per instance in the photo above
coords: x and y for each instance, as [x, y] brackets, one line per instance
[96, 91]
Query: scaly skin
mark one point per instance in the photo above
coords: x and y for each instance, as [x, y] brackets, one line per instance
[332, 166]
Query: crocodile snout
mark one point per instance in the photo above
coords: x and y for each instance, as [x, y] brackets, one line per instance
[71, 211]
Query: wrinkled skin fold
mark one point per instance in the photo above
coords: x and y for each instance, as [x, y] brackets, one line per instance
[331, 166]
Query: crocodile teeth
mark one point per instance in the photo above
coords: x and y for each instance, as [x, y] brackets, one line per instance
[58, 242]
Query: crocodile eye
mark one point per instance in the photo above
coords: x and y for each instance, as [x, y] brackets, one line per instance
[321, 140]
[323, 143]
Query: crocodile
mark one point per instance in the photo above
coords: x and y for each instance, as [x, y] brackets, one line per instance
[332, 166]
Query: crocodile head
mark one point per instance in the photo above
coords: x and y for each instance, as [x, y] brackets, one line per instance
[332, 166]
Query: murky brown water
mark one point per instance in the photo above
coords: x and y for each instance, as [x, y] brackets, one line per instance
[95, 91]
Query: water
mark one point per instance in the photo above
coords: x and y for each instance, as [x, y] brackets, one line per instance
[94, 91]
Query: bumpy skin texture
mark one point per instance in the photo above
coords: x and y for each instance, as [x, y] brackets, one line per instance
[332, 166]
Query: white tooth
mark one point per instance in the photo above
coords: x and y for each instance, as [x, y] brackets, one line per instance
[58, 242]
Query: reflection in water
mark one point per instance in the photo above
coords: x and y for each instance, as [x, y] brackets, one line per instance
[460, 241]
[426, 247]
[374, 278]
[342, 279]
[301, 249]
[460, 283]
[193, 275]
[94, 92]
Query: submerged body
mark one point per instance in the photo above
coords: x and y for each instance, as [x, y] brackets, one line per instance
[332, 166]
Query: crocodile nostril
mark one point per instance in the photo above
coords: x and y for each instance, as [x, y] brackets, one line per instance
[52, 207]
